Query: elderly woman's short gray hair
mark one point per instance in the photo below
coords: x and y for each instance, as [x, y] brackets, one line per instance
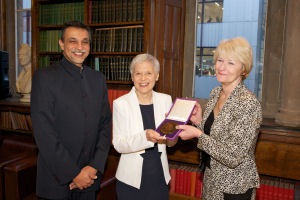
[144, 58]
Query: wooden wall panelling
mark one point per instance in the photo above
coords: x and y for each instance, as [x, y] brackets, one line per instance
[169, 38]
[20, 179]
[278, 153]
[3, 25]
[189, 49]
[185, 151]
[34, 35]
[149, 26]
[10, 33]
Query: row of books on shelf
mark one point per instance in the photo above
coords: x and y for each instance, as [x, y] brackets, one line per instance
[58, 14]
[48, 41]
[188, 180]
[118, 39]
[114, 68]
[45, 61]
[275, 190]
[105, 11]
[16, 121]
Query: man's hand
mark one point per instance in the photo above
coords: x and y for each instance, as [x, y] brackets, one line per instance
[84, 179]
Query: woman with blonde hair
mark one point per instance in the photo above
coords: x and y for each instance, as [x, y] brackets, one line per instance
[228, 130]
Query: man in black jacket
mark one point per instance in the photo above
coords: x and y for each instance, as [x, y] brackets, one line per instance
[71, 121]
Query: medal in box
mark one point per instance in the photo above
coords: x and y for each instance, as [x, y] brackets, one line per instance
[179, 114]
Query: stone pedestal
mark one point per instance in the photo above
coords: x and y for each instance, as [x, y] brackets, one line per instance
[25, 98]
[289, 110]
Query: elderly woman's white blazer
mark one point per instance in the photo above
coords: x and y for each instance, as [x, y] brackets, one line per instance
[129, 137]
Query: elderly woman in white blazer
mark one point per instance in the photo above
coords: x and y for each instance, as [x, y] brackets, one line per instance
[143, 171]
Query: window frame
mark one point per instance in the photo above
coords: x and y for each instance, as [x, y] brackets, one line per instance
[19, 40]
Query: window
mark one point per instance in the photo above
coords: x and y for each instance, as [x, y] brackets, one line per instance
[209, 11]
[205, 61]
[23, 26]
[223, 19]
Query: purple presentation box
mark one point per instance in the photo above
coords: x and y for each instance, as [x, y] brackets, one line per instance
[180, 113]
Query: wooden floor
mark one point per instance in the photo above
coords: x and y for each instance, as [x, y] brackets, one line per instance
[106, 193]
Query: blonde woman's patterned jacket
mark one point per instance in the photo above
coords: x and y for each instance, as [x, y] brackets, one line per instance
[232, 140]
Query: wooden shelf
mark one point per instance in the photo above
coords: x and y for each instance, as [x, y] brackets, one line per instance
[16, 131]
[113, 24]
[120, 82]
[14, 105]
[50, 53]
[50, 26]
[110, 24]
[58, 1]
[174, 196]
[115, 53]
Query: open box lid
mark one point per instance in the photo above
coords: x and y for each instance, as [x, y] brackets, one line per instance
[179, 114]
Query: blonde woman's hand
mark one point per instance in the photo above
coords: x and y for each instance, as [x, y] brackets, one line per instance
[196, 116]
[188, 132]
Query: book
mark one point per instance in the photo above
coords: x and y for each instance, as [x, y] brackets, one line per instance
[129, 39]
[129, 10]
[134, 10]
[193, 183]
[113, 11]
[28, 119]
[134, 39]
[178, 180]
[139, 10]
[179, 114]
[173, 179]
[124, 40]
[13, 120]
[97, 67]
[199, 183]
[187, 190]
[124, 10]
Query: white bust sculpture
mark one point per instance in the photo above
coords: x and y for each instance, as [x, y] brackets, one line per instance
[23, 83]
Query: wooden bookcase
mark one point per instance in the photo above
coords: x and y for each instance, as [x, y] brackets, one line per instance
[17, 149]
[120, 30]
[15, 117]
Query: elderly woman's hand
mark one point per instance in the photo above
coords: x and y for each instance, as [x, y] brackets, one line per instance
[153, 136]
[196, 116]
[188, 132]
